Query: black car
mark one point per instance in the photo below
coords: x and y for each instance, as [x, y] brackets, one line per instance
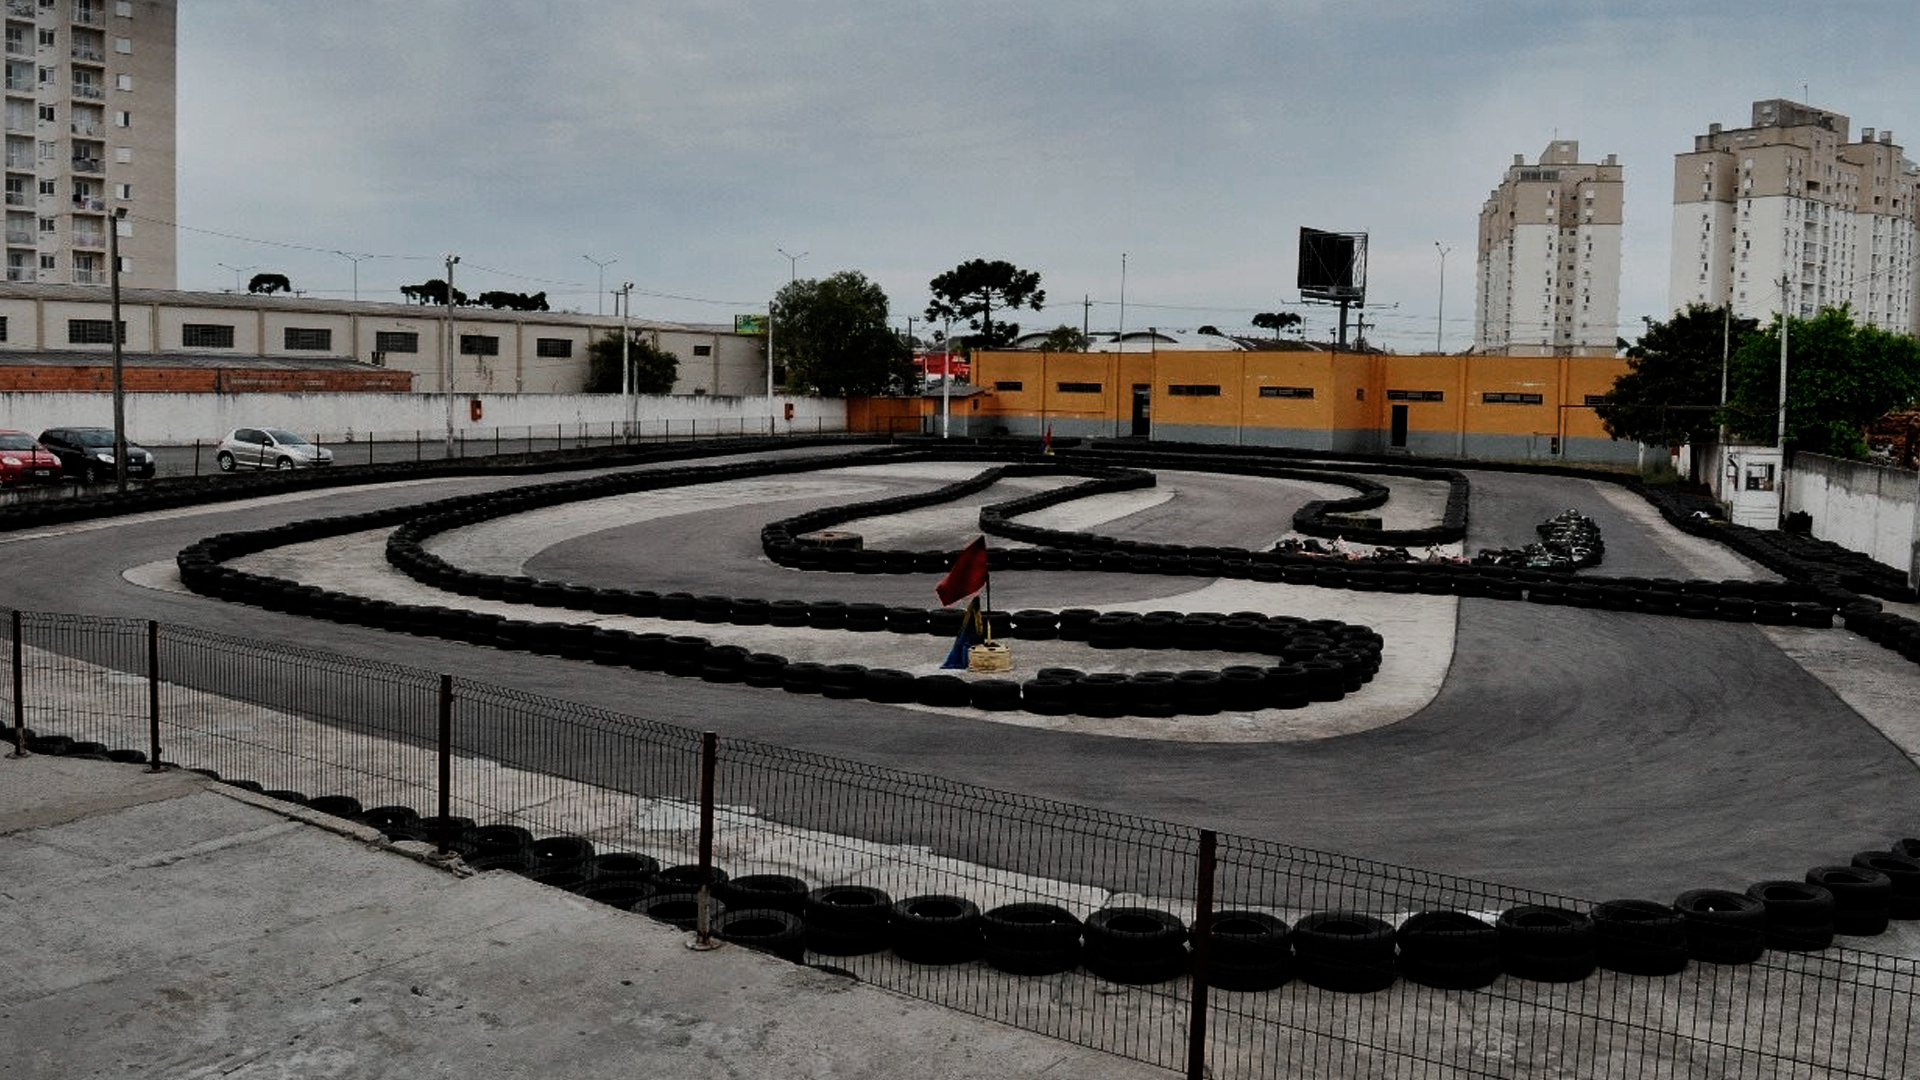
[87, 452]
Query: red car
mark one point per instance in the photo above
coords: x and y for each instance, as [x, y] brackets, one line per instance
[24, 461]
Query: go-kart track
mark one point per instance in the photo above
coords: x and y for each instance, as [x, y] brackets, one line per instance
[1582, 752]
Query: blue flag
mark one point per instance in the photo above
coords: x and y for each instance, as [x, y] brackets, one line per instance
[973, 628]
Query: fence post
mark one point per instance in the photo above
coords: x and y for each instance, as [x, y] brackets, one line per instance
[19, 681]
[153, 694]
[446, 758]
[1202, 949]
[709, 749]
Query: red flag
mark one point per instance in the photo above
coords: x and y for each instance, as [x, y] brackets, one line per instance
[968, 576]
[1046, 441]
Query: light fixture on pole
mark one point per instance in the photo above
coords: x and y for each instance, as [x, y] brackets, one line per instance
[626, 364]
[119, 383]
[1440, 324]
[237, 271]
[946, 381]
[356, 260]
[792, 261]
[792, 276]
[446, 342]
[600, 291]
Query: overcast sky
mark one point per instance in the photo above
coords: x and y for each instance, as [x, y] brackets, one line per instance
[692, 141]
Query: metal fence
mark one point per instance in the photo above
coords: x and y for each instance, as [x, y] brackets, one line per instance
[308, 723]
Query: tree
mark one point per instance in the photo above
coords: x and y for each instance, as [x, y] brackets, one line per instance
[1276, 321]
[972, 290]
[269, 284]
[432, 291]
[1670, 393]
[1841, 376]
[1064, 338]
[655, 370]
[832, 335]
[512, 301]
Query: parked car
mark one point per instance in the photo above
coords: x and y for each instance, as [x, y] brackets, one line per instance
[268, 448]
[24, 461]
[87, 452]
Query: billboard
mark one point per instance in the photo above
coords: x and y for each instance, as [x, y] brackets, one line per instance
[749, 324]
[1333, 266]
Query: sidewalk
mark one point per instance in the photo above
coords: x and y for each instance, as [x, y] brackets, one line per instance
[162, 925]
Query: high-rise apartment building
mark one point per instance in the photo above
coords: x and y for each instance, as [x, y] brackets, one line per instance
[1549, 258]
[1790, 203]
[90, 131]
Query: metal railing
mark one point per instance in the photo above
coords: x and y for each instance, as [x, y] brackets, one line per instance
[296, 722]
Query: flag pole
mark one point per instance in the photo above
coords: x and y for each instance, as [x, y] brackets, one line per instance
[988, 614]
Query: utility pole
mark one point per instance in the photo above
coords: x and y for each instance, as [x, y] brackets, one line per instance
[1440, 323]
[446, 336]
[119, 383]
[600, 293]
[1780, 436]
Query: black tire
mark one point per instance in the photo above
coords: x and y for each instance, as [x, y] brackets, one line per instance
[1138, 971]
[1722, 926]
[679, 909]
[1447, 937]
[1639, 937]
[945, 691]
[622, 893]
[857, 942]
[1246, 939]
[767, 930]
[389, 819]
[498, 839]
[1861, 898]
[1546, 944]
[1345, 976]
[556, 851]
[344, 806]
[1799, 915]
[1903, 872]
[685, 878]
[1122, 931]
[1030, 927]
[847, 908]
[779, 892]
[225, 461]
[1343, 937]
[1024, 962]
[935, 929]
[624, 866]
[570, 878]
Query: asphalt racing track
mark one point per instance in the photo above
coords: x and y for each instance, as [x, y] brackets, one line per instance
[1596, 754]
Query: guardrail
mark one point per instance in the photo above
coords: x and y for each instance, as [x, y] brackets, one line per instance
[1221, 955]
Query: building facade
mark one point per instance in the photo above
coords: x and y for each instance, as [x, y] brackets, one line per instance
[90, 133]
[1548, 281]
[519, 352]
[1793, 206]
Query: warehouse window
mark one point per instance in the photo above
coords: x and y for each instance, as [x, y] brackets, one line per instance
[1510, 399]
[703, 350]
[1009, 384]
[1078, 387]
[396, 341]
[1287, 391]
[553, 347]
[1416, 395]
[479, 345]
[308, 339]
[93, 332]
[1596, 399]
[206, 336]
[1193, 390]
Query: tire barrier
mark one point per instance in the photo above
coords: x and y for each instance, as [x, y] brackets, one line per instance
[1248, 951]
[768, 930]
[934, 930]
[846, 920]
[1799, 915]
[1861, 898]
[1448, 950]
[1344, 951]
[1722, 927]
[1030, 939]
[1134, 945]
[1639, 937]
[1546, 944]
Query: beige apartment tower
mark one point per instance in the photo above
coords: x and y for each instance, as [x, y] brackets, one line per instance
[90, 132]
[1549, 258]
[1790, 204]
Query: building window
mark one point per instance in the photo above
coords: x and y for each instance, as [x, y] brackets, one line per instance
[123, 82]
[206, 336]
[400, 341]
[48, 114]
[1192, 390]
[48, 37]
[1286, 391]
[93, 332]
[1078, 387]
[3, 328]
[1009, 384]
[308, 339]
[1416, 395]
[49, 262]
[123, 191]
[1510, 399]
[122, 118]
[479, 345]
[123, 45]
[703, 350]
[553, 347]
[49, 225]
[49, 187]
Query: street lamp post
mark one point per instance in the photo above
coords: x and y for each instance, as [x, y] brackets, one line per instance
[1440, 323]
[792, 276]
[237, 271]
[119, 382]
[626, 364]
[600, 291]
[446, 341]
[356, 260]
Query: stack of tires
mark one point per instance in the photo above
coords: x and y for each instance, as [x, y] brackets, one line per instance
[1448, 950]
[1344, 951]
[1030, 939]
[1134, 945]
[1546, 944]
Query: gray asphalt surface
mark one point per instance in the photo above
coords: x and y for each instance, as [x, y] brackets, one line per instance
[1594, 754]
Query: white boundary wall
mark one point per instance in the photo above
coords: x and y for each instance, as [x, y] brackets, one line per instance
[1871, 509]
[172, 419]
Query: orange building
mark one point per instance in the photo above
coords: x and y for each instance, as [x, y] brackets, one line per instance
[1498, 408]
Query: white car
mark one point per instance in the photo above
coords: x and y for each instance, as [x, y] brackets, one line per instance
[268, 448]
